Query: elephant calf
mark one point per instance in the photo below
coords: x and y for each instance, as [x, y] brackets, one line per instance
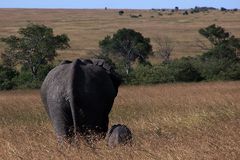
[118, 135]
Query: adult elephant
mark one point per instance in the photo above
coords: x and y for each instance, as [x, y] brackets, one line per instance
[78, 96]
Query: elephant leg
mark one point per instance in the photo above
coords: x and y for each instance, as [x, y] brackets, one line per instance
[61, 117]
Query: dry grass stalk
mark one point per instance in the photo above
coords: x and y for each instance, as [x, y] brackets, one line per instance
[170, 121]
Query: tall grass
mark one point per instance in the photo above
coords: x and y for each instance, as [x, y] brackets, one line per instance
[171, 121]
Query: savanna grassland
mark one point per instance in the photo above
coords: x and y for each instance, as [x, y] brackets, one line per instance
[86, 27]
[170, 121]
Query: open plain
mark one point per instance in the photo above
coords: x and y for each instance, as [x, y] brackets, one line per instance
[86, 28]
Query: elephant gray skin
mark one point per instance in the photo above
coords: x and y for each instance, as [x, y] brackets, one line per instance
[78, 96]
[118, 135]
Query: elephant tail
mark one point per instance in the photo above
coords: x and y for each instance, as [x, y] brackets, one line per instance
[75, 88]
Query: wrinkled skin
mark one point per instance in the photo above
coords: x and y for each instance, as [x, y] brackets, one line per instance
[78, 97]
[118, 135]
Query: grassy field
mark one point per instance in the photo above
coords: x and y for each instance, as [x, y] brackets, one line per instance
[170, 121]
[86, 27]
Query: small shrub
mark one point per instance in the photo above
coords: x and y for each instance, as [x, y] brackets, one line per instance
[134, 16]
[6, 78]
[183, 70]
[148, 74]
[219, 69]
[195, 10]
[220, 52]
[185, 13]
[43, 71]
[25, 79]
[121, 12]
[232, 72]
[223, 9]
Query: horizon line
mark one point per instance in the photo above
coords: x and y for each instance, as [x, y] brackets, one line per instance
[109, 8]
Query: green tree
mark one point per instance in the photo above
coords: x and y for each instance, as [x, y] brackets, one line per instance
[217, 35]
[127, 44]
[221, 61]
[224, 44]
[36, 45]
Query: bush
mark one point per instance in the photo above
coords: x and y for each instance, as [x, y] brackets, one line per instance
[181, 70]
[220, 52]
[185, 13]
[121, 12]
[25, 79]
[232, 72]
[143, 75]
[223, 9]
[219, 69]
[134, 16]
[184, 70]
[147, 74]
[195, 10]
[43, 71]
[6, 78]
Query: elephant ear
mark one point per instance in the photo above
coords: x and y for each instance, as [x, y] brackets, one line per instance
[115, 77]
[102, 63]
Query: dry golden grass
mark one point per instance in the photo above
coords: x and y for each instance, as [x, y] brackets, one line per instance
[170, 121]
[86, 27]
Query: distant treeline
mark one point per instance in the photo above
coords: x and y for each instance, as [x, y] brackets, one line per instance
[200, 9]
[28, 57]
